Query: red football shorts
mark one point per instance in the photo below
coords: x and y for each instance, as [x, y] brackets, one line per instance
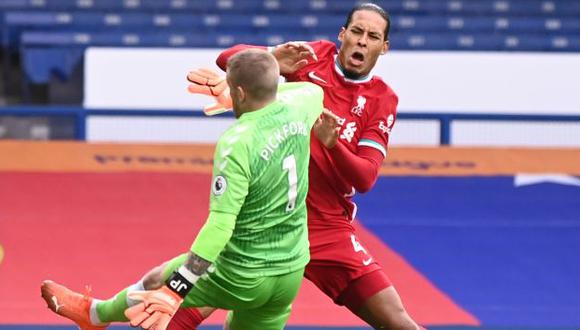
[342, 268]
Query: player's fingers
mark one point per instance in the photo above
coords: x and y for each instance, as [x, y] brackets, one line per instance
[299, 65]
[330, 122]
[292, 44]
[297, 47]
[163, 323]
[138, 295]
[219, 88]
[136, 316]
[225, 99]
[199, 89]
[206, 90]
[310, 51]
[197, 77]
[213, 76]
[301, 46]
[317, 124]
[214, 109]
[151, 320]
[135, 310]
[159, 308]
[203, 78]
[330, 115]
[304, 54]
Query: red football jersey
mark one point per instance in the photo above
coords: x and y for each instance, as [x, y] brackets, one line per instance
[367, 108]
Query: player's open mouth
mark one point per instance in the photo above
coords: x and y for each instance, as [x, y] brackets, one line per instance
[357, 59]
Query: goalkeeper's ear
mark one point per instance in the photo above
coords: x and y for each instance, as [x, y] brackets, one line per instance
[240, 94]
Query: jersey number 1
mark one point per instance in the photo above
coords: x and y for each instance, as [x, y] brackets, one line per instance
[289, 164]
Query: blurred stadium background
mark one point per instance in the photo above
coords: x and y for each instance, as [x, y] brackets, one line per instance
[476, 215]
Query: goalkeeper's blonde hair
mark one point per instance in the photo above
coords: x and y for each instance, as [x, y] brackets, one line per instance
[256, 71]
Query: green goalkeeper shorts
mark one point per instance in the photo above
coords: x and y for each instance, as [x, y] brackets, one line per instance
[262, 303]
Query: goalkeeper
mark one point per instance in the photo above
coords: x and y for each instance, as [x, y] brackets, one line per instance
[255, 237]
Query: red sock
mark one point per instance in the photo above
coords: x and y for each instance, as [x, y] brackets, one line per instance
[185, 319]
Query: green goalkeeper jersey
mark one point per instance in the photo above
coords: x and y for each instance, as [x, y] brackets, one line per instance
[260, 175]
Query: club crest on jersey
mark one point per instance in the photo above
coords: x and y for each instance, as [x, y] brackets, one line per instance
[219, 185]
[360, 106]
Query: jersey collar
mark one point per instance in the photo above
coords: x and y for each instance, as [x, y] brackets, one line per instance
[338, 68]
[261, 112]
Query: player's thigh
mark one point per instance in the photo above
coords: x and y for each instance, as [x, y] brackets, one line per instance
[224, 289]
[259, 318]
[213, 291]
[385, 310]
[274, 314]
[363, 288]
[285, 289]
[338, 262]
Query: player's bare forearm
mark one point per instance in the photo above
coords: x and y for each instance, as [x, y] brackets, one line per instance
[196, 264]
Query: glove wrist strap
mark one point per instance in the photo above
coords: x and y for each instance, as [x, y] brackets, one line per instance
[181, 281]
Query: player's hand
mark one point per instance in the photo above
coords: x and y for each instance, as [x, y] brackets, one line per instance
[207, 82]
[293, 56]
[327, 128]
[155, 310]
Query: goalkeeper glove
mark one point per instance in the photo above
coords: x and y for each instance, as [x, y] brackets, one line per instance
[207, 82]
[157, 307]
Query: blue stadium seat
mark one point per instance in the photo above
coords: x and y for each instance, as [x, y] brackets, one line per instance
[46, 53]
[448, 7]
[518, 25]
[488, 42]
[17, 22]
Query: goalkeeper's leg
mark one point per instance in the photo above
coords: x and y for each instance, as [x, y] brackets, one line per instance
[274, 314]
[112, 310]
[91, 313]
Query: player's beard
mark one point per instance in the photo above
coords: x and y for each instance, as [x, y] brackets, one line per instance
[349, 74]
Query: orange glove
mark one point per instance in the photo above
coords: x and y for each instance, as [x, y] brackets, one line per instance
[207, 82]
[155, 310]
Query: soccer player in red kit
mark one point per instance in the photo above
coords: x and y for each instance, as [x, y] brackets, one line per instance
[345, 159]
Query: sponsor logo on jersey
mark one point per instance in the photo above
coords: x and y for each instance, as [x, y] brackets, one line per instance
[389, 126]
[348, 132]
[384, 128]
[360, 106]
[219, 185]
[390, 121]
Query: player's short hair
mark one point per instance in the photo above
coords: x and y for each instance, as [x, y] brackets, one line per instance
[256, 71]
[371, 7]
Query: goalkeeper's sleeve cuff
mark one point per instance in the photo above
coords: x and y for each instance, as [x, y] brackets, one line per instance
[181, 281]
